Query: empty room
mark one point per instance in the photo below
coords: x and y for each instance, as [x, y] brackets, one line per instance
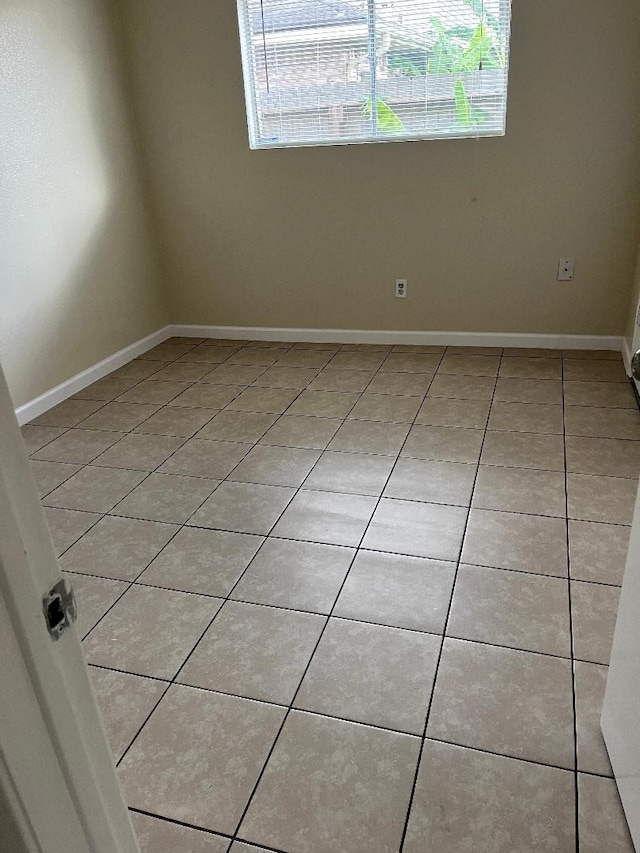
[319, 428]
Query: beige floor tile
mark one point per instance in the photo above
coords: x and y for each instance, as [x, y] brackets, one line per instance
[598, 354]
[357, 360]
[440, 411]
[601, 823]
[305, 358]
[531, 368]
[446, 444]
[436, 482]
[504, 701]
[609, 457]
[208, 354]
[119, 416]
[199, 757]
[164, 497]
[173, 420]
[233, 374]
[611, 395]
[400, 384]
[36, 437]
[594, 608]
[531, 352]
[326, 517]
[418, 348]
[469, 365]
[150, 631]
[66, 526]
[598, 552]
[609, 499]
[602, 423]
[350, 473]
[119, 548]
[468, 350]
[590, 683]
[477, 803]
[403, 592]
[140, 368]
[139, 452]
[370, 437]
[409, 362]
[593, 370]
[416, 529]
[371, 674]
[514, 390]
[50, 475]
[392, 408]
[204, 396]
[205, 458]
[514, 609]
[275, 466]
[254, 651]
[520, 490]
[160, 836]
[95, 489]
[125, 702]
[270, 345]
[106, 389]
[153, 391]
[237, 426]
[337, 379]
[168, 352]
[240, 847]
[301, 575]
[523, 450]
[79, 446]
[271, 400]
[326, 787]
[243, 508]
[526, 417]
[202, 561]
[526, 543]
[317, 345]
[68, 413]
[257, 356]
[94, 596]
[236, 343]
[459, 387]
[298, 431]
[286, 377]
[182, 371]
[323, 404]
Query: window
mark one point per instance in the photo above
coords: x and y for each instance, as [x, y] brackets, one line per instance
[328, 72]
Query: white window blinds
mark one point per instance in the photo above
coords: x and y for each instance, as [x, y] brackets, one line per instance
[327, 72]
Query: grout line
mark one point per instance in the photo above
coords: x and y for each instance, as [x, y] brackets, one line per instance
[571, 636]
[444, 632]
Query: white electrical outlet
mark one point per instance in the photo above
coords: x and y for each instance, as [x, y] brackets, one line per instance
[401, 288]
[565, 269]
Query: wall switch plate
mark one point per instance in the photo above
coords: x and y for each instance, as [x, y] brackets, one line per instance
[565, 269]
[401, 288]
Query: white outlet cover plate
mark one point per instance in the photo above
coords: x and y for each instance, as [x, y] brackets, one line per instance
[565, 269]
[401, 288]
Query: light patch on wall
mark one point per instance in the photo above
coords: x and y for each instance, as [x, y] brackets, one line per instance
[53, 186]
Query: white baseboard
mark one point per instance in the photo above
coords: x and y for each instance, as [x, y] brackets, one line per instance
[365, 336]
[626, 355]
[69, 387]
[76, 383]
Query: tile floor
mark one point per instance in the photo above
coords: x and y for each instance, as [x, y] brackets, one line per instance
[350, 598]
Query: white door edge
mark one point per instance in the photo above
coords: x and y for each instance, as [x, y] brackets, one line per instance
[57, 776]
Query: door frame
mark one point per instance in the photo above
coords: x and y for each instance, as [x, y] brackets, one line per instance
[58, 784]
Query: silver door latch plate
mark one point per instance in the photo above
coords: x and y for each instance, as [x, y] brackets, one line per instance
[59, 608]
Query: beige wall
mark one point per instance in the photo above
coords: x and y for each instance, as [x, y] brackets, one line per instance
[79, 278]
[316, 237]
